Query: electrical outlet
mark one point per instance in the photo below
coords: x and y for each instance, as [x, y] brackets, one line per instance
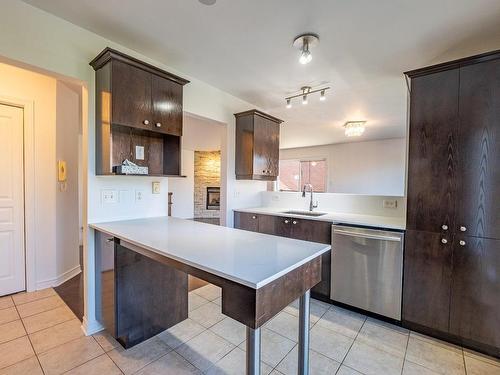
[236, 194]
[139, 196]
[109, 196]
[390, 203]
[156, 187]
[275, 197]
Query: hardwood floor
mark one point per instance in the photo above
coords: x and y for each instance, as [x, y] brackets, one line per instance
[71, 293]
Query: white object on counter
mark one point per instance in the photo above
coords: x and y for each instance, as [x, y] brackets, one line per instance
[248, 258]
[386, 222]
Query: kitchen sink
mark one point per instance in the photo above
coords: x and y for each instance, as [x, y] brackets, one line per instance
[304, 213]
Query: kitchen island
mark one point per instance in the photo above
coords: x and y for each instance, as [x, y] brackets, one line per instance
[259, 275]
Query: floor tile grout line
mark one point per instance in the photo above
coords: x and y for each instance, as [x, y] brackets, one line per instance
[352, 344]
[64, 321]
[406, 350]
[83, 363]
[36, 300]
[116, 364]
[29, 339]
[40, 312]
[463, 359]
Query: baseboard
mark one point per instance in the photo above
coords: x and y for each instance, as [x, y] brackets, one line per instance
[89, 328]
[50, 283]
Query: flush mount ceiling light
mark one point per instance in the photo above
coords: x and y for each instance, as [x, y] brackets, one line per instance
[304, 93]
[305, 43]
[354, 128]
[208, 2]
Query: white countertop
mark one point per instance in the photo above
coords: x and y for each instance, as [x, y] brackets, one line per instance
[248, 258]
[385, 222]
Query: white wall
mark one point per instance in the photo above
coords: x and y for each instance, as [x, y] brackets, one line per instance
[183, 188]
[68, 122]
[373, 167]
[56, 214]
[41, 90]
[31, 36]
[199, 134]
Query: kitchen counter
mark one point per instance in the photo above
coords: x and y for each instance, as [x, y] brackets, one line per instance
[386, 222]
[250, 259]
[143, 287]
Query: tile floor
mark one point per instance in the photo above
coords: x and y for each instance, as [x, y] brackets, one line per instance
[40, 335]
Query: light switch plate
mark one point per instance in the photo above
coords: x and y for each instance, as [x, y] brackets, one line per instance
[156, 187]
[109, 196]
[139, 152]
[390, 203]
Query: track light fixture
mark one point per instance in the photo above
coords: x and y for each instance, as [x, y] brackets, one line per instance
[305, 42]
[304, 93]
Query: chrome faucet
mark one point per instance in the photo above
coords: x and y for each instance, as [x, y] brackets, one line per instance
[312, 205]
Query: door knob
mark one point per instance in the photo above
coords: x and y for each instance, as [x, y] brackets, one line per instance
[254, 217]
[158, 124]
[463, 229]
[462, 243]
[146, 122]
[294, 222]
[444, 227]
[444, 240]
[286, 221]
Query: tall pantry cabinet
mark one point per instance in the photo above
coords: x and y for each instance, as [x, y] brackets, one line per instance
[452, 252]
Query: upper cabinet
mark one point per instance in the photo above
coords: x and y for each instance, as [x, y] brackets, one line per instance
[257, 146]
[138, 115]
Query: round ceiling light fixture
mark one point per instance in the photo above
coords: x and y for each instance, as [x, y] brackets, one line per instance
[208, 2]
[305, 43]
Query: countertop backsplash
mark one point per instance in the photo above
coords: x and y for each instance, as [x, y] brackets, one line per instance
[340, 203]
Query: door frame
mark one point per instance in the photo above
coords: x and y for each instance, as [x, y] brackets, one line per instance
[29, 187]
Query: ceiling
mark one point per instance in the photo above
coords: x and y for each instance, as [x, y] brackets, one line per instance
[244, 47]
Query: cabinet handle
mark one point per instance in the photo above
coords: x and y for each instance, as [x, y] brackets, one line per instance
[444, 240]
[463, 229]
[110, 239]
[146, 122]
[294, 222]
[444, 227]
[286, 221]
[254, 217]
[158, 124]
[462, 243]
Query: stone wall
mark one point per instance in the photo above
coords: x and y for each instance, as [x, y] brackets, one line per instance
[206, 174]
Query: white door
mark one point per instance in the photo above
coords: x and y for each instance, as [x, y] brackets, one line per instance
[12, 262]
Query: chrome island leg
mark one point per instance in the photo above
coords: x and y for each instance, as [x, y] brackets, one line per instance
[253, 351]
[304, 333]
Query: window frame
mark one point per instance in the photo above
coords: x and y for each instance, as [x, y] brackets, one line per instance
[306, 159]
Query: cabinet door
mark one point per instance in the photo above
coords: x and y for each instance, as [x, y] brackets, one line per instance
[432, 158]
[266, 147]
[316, 231]
[246, 221]
[167, 106]
[427, 280]
[131, 96]
[475, 296]
[268, 224]
[479, 143]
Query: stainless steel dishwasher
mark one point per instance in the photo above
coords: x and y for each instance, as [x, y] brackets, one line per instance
[367, 269]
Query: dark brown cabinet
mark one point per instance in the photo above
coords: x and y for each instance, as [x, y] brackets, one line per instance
[299, 229]
[475, 291]
[427, 275]
[130, 96]
[138, 115]
[167, 106]
[452, 255]
[257, 146]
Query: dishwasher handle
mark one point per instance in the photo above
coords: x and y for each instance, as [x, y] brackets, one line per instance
[366, 235]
